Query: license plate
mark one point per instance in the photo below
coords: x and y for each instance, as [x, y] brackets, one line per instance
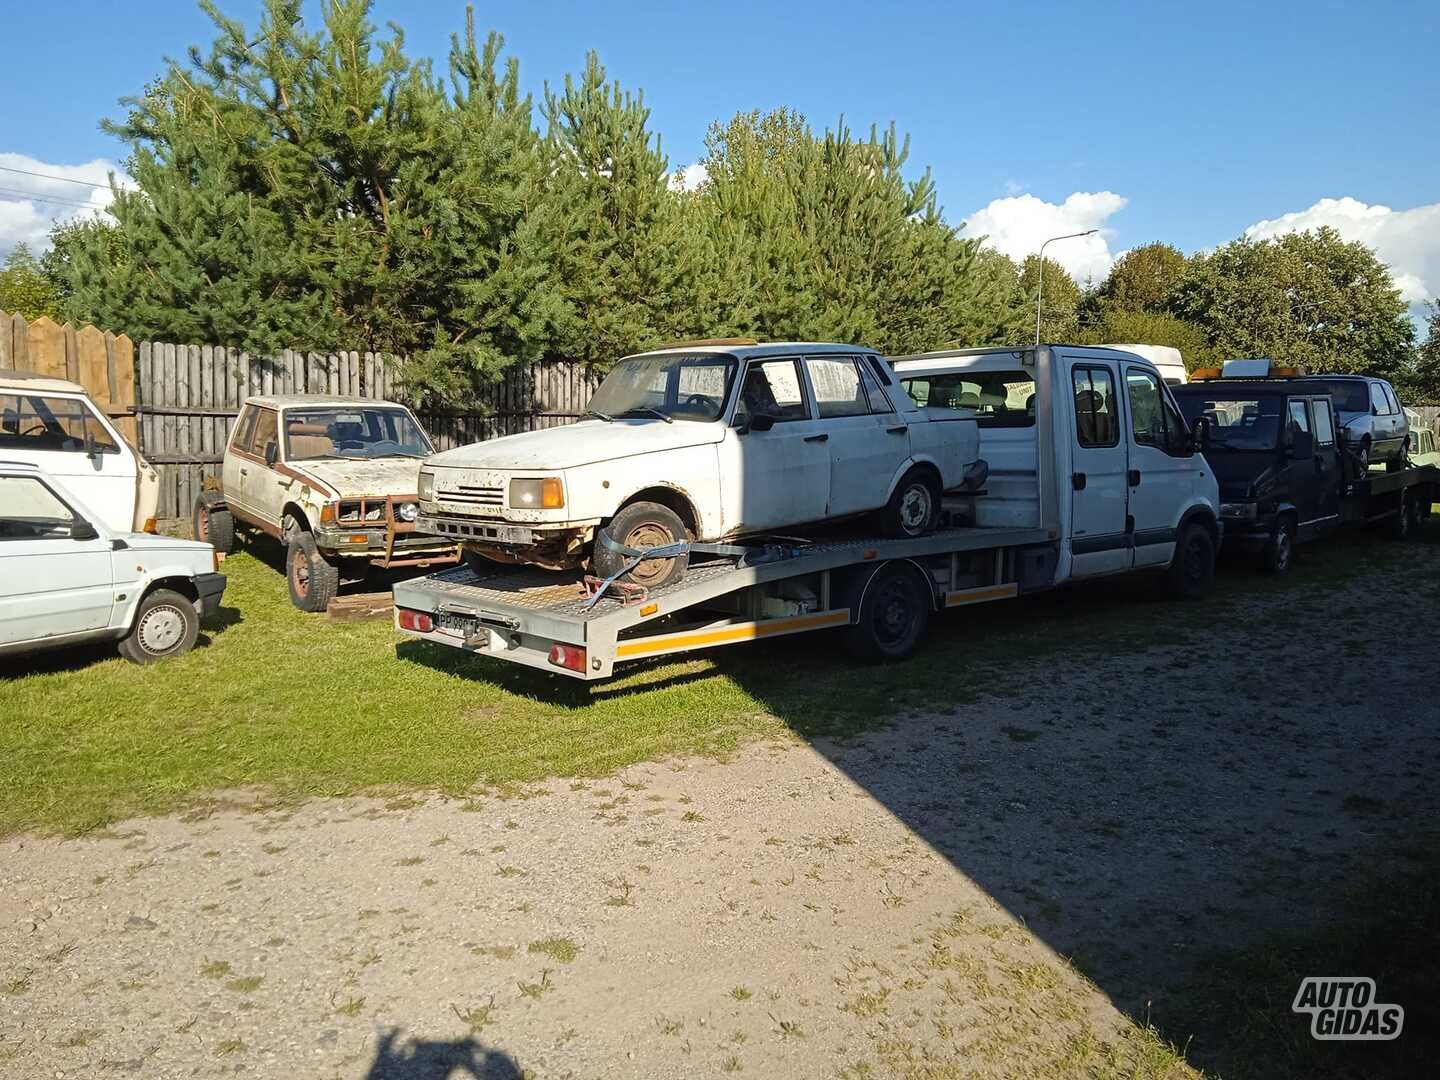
[456, 625]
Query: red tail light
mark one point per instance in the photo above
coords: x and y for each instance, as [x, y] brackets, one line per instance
[568, 656]
[417, 621]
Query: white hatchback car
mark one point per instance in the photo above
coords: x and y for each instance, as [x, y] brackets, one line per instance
[706, 441]
[65, 577]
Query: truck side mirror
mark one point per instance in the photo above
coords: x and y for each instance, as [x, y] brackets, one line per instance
[272, 453]
[1200, 434]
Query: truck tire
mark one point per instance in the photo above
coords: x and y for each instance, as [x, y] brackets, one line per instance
[166, 625]
[1401, 525]
[643, 525]
[1280, 551]
[1192, 570]
[313, 578]
[893, 616]
[914, 507]
[213, 525]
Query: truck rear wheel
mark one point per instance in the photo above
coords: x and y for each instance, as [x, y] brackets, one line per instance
[644, 525]
[213, 525]
[1192, 570]
[893, 616]
[166, 625]
[313, 578]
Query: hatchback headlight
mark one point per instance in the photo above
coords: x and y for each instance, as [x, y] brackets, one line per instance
[544, 493]
[427, 485]
[407, 511]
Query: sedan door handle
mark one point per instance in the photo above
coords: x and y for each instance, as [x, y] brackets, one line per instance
[899, 429]
[817, 438]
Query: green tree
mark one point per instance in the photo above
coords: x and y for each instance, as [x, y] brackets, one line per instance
[1117, 326]
[1422, 381]
[1059, 301]
[25, 288]
[1307, 299]
[1142, 279]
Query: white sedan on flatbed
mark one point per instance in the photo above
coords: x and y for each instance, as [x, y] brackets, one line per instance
[706, 441]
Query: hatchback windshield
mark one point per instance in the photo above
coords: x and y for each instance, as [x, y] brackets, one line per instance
[353, 432]
[679, 386]
[1236, 423]
[1350, 395]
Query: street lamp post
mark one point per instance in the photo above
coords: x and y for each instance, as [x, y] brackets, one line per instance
[1040, 275]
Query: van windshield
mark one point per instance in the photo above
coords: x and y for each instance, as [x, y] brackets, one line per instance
[1236, 423]
[677, 386]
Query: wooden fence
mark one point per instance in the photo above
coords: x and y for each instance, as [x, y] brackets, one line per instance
[100, 361]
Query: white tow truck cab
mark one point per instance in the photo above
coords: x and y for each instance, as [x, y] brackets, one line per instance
[55, 426]
[1092, 472]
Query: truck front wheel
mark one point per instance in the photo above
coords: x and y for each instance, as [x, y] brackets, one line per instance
[1192, 570]
[1281, 548]
[166, 625]
[313, 578]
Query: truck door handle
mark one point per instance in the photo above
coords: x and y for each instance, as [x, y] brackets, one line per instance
[898, 430]
[1134, 477]
[1077, 481]
[817, 438]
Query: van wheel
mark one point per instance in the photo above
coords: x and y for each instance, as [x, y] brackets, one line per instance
[893, 617]
[1192, 570]
[644, 525]
[214, 526]
[313, 578]
[914, 508]
[1281, 549]
[166, 625]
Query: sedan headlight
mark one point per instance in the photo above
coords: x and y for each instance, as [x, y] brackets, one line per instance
[1244, 510]
[543, 493]
[427, 485]
[407, 511]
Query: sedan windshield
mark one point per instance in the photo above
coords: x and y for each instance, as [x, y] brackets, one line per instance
[677, 386]
[353, 432]
[1236, 423]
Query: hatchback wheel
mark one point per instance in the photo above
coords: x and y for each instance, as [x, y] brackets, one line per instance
[914, 508]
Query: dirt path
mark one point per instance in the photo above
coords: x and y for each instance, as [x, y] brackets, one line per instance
[890, 907]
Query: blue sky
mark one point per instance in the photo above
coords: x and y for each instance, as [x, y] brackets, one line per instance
[1183, 122]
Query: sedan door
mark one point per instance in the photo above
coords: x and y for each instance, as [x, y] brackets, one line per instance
[868, 441]
[54, 582]
[776, 474]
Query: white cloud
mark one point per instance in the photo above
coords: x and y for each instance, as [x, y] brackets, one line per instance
[1018, 224]
[689, 178]
[30, 204]
[1408, 241]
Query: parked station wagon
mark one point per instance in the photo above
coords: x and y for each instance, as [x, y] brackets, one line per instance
[333, 478]
[706, 441]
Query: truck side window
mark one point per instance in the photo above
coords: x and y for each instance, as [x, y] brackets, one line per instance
[1096, 415]
[1378, 404]
[266, 432]
[1146, 416]
[1324, 427]
[1299, 416]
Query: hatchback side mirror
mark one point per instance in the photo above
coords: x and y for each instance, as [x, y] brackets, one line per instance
[92, 451]
[81, 529]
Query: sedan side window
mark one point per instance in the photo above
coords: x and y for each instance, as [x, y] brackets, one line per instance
[838, 389]
[1378, 404]
[772, 388]
[32, 511]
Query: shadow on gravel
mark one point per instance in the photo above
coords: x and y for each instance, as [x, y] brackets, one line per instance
[397, 1058]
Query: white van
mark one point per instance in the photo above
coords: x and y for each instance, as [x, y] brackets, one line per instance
[1166, 358]
[53, 424]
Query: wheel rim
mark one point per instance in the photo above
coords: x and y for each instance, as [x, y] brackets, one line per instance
[202, 531]
[645, 535]
[300, 575]
[1404, 515]
[915, 505]
[1195, 560]
[894, 613]
[1282, 549]
[161, 628]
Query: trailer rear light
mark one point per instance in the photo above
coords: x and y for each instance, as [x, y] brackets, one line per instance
[568, 656]
[417, 621]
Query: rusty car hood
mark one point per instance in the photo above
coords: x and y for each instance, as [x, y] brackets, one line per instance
[579, 444]
[358, 476]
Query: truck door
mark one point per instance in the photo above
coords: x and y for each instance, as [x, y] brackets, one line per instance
[1162, 467]
[236, 464]
[1099, 539]
[1326, 512]
[261, 487]
[1302, 473]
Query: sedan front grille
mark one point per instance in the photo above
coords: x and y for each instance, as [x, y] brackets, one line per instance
[472, 494]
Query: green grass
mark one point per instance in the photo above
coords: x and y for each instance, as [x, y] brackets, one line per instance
[296, 705]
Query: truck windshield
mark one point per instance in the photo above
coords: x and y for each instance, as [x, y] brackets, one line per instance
[353, 432]
[1236, 423]
[678, 386]
[1350, 395]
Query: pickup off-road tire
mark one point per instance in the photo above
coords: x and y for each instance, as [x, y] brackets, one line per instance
[1280, 551]
[166, 625]
[313, 578]
[214, 526]
[1192, 569]
[893, 616]
[644, 525]
[914, 508]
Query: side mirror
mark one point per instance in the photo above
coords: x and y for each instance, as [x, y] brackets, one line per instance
[1302, 445]
[272, 453]
[761, 422]
[92, 451]
[1200, 434]
[81, 529]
